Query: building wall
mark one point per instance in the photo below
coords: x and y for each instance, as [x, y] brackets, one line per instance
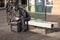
[56, 7]
[55, 15]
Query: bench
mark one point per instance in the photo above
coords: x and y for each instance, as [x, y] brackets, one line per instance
[46, 25]
[38, 20]
[41, 23]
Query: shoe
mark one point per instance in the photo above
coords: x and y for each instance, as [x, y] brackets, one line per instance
[24, 30]
[20, 30]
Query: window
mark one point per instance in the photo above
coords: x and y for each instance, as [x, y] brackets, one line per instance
[38, 2]
[49, 2]
[49, 5]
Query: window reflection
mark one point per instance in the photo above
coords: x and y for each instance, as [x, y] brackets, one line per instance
[49, 2]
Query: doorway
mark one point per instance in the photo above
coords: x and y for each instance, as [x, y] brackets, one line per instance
[1, 3]
[24, 2]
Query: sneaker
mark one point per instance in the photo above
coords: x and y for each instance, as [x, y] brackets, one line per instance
[24, 30]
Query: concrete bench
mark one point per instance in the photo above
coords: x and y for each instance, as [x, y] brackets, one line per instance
[46, 25]
[36, 20]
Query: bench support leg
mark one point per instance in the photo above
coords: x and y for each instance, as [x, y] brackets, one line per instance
[47, 30]
[27, 26]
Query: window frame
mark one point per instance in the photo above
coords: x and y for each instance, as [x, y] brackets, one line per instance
[48, 3]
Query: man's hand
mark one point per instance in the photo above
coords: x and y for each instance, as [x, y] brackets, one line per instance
[17, 18]
[22, 17]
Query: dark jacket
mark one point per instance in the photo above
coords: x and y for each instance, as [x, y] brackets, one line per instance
[8, 7]
[25, 14]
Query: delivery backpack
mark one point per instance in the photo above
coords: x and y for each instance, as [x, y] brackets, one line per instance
[15, 24]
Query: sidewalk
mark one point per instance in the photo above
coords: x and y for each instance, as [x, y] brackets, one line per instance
[2, 8]
[33, 34]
